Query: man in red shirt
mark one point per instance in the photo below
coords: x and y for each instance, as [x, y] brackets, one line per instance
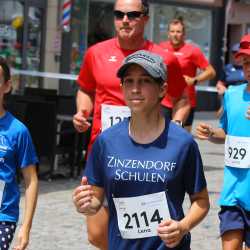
[190, 58]
[100, 90]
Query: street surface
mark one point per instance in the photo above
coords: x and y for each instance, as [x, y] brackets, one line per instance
[57, 226]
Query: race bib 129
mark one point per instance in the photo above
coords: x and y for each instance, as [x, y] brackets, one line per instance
[112, 115]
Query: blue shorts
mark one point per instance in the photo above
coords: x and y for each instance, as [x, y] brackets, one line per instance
[233, 218]
[7, 230]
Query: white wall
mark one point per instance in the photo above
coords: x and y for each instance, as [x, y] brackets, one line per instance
[52, 43]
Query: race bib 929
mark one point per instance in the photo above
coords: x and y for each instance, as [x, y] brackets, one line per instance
[237, 151]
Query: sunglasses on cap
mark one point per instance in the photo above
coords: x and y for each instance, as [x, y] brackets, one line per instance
[131, 14]
[245, 45]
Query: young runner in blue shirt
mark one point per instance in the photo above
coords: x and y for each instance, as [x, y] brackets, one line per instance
[232, 75]
[16, 151]
[235, 130]
[145, 165]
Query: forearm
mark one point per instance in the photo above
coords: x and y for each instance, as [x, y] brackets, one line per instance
[217, 135]
[181, 108]
[208, 74]
[198, 210]
[31, 195]
[84, 101]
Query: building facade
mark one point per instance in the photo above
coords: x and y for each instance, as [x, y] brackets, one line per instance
[34, 37]
[22, 33]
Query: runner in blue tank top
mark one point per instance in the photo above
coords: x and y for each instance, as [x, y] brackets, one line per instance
[144, 166]
[235, 130]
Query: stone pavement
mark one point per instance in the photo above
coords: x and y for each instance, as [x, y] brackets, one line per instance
[57, 225]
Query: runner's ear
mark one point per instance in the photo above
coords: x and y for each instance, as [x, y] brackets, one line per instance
[163, 90]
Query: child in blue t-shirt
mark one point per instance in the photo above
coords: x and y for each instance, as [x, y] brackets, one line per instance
[145, 165]
[235, 130]
[16, 151]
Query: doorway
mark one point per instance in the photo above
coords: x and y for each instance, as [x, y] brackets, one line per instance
[101, 22]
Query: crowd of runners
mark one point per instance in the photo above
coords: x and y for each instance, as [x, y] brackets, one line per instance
[142, 158]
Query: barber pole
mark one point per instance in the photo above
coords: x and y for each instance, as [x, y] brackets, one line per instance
[66, 14]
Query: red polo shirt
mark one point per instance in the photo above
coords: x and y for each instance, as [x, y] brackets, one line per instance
[98, 75]
[190, 58]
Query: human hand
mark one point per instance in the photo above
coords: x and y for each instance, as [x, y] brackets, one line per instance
[171, 232]
[204, 131]
[82, 197]
[221, 88]
[248, 113]
[22, 239]
[189, 80]
[80, 121]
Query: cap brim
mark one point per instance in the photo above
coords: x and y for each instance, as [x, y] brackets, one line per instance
[122, 71]
[242, 52]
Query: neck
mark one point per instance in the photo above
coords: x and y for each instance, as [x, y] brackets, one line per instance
[146, 128]
[177, 46]
[248, 87]
[131, 44]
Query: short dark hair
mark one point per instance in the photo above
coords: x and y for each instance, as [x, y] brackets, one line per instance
[178, 20]
[145, 7]
[6, 69]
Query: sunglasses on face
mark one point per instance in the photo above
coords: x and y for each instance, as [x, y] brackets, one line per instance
[131, 15]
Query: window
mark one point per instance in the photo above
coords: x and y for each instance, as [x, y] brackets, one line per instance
[198, 24]
[11, 32]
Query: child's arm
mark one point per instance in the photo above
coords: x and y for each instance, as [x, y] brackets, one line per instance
[31, 193]
[205, 131]
[88, 198]
[172, 232]
[248, 113]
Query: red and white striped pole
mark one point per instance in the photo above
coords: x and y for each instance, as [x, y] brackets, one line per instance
[66, 15]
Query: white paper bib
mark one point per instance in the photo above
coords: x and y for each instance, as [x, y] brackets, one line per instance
[138, 217]
[237, 151]
[112, 115]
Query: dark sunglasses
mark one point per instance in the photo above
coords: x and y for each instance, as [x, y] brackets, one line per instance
[131, 14]
[245, 45]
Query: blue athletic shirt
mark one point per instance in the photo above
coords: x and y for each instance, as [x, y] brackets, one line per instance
[236, 186]
[124, 168]
[16, 151]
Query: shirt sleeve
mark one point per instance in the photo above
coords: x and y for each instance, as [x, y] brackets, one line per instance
[234, 75]
[200, 60]
[94, 170]
[223, 119]
[222, 76]
[26, 154]
[175, 80]
[86, 79]
[194, 178]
